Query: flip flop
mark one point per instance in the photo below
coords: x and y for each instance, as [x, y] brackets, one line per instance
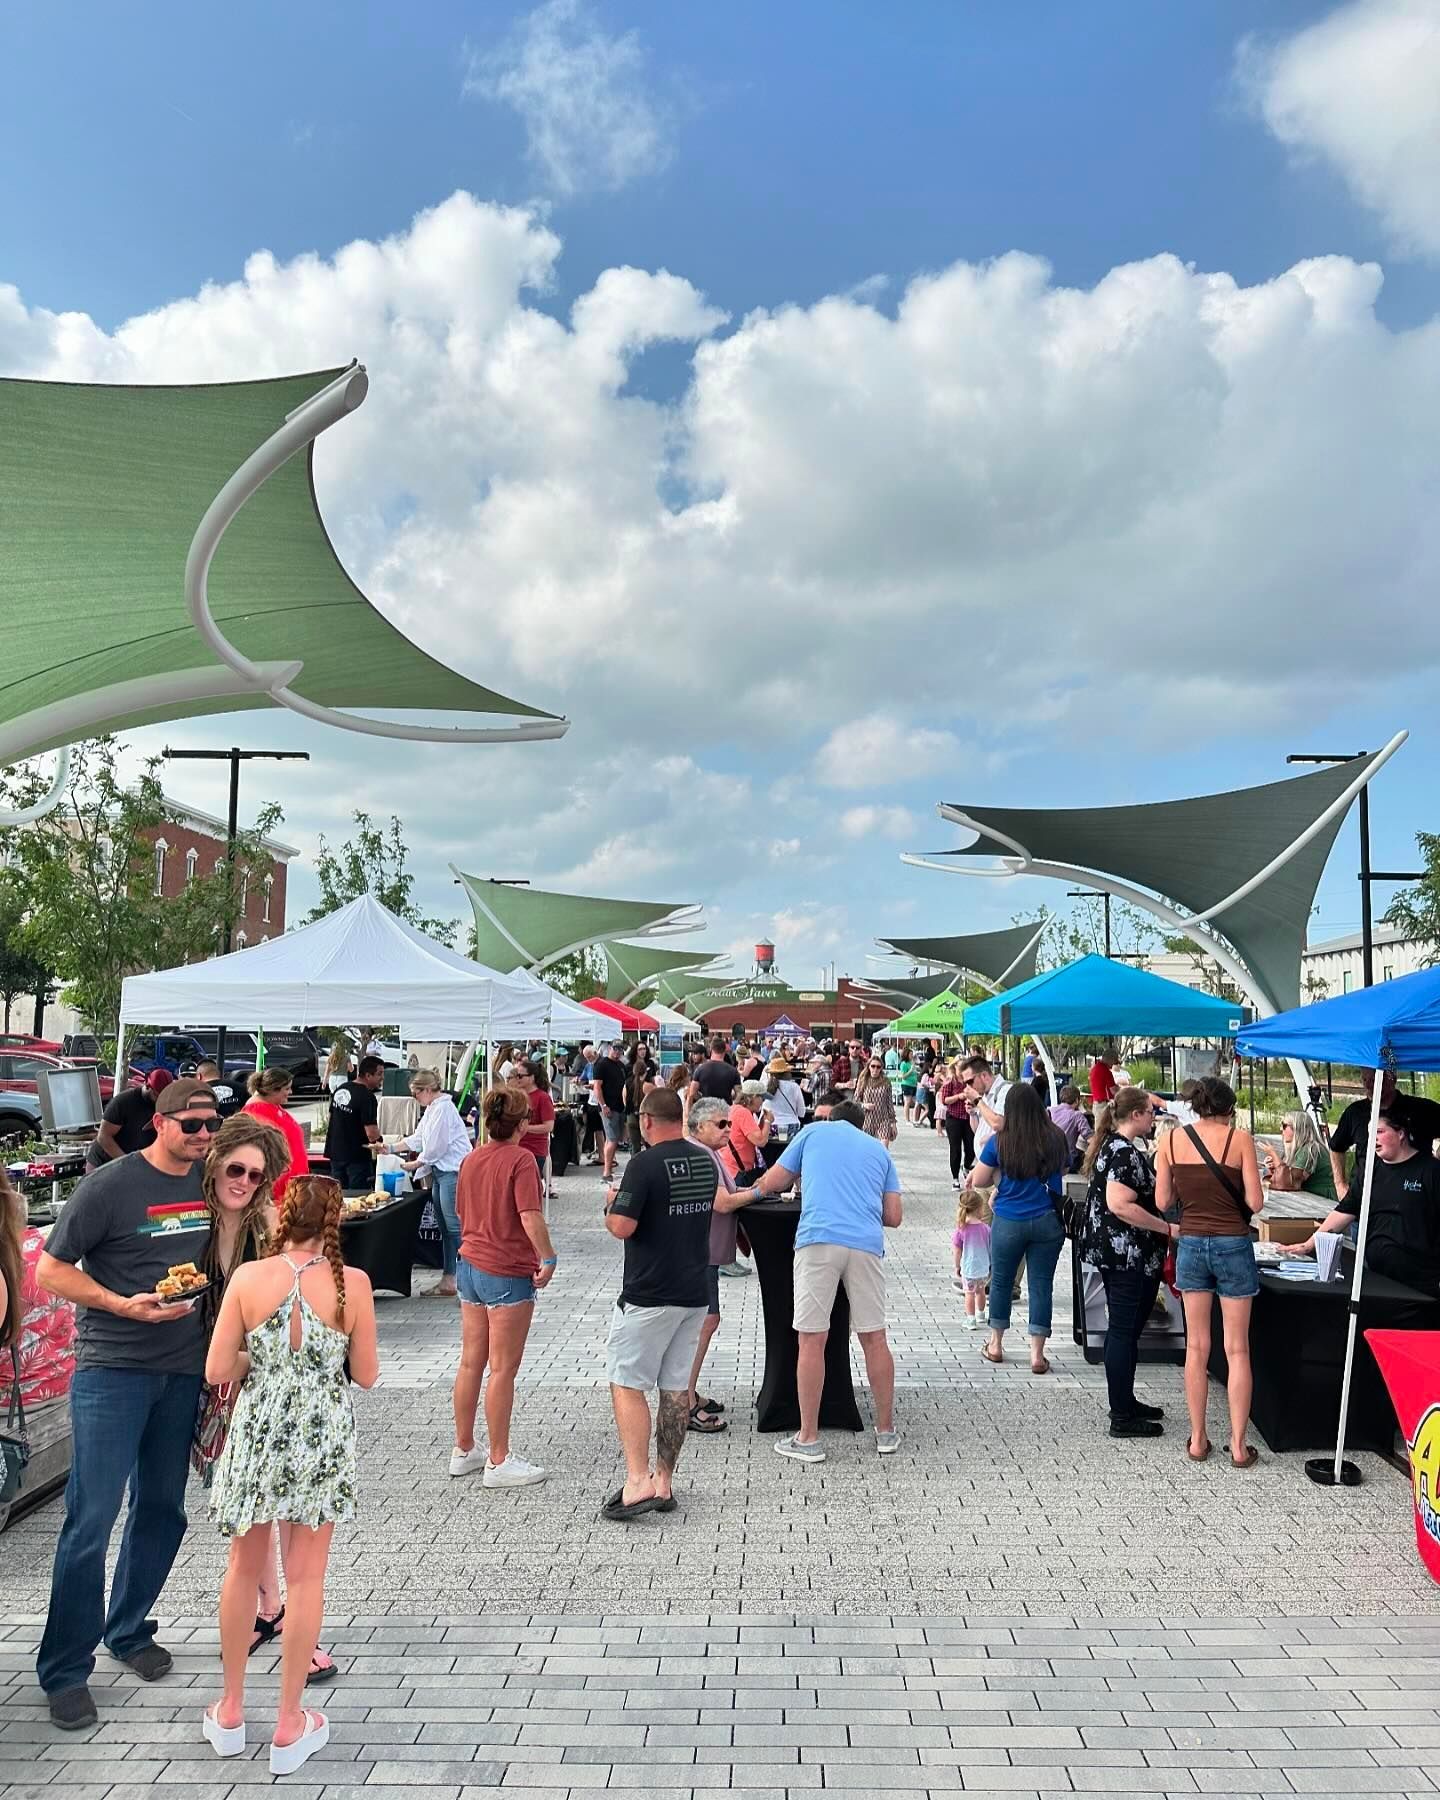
[1248, 1461]
[985, 1352]
[668, 1505]
[702, 1421]
[617, 1507]
[322, 1672]
[285, 1759]
[1203, 1454]
[1042, 1367]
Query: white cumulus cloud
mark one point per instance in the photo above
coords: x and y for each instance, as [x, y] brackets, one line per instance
[1360, 90]
[878, 821]
[591, 118]
[877, 750]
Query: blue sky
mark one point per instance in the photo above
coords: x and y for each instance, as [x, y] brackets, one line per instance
[776, 159]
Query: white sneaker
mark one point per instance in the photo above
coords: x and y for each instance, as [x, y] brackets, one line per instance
[513, 1472]
[469, 1462]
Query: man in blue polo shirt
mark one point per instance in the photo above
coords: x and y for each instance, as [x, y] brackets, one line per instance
[849, 1194]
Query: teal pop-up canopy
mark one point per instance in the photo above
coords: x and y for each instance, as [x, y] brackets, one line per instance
[1099, 998]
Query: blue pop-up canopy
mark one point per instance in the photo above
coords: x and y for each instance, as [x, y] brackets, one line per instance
[1099, 998]
[1395, 1025]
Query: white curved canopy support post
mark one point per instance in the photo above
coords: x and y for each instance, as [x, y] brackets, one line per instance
[1177, 922]
[301, 428]
[48, 801]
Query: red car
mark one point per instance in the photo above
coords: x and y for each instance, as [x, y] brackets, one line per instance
[18, 1069]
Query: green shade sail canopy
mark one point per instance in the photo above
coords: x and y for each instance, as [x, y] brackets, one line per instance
[1001, 958]
[1235, 872]
[103, 490]
[680, 991]
[912, 990]
[944, 1016]
[529, 928]
[632, 969]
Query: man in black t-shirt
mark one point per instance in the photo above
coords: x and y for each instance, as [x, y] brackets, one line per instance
[608, 1088]
[715, 1079]
[1352, 1130]
[1403, 1239]
[661, 1212]
[355, 1125]
[126, 1125]
[228, 1098]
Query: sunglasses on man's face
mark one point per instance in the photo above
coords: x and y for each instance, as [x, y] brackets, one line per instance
[209, 1122]
[243, 1172]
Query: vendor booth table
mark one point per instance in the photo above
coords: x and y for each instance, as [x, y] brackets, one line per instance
[564, 1141]
[382, 1242]
[1297, 1351]
[771, 1226]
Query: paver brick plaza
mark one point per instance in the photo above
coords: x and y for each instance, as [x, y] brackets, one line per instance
[1014, 1604]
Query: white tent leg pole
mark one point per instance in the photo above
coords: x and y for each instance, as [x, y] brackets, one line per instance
[121, 1083]
[1356, 1284]
[1049, 1062]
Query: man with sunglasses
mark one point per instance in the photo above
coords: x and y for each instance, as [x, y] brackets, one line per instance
[132, 1403]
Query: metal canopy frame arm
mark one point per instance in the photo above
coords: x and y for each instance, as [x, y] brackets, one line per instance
[301, 428]
[48, 801]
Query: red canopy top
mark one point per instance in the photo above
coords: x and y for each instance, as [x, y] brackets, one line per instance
[626, 1017]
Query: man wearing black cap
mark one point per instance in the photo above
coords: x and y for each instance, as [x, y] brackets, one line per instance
[132, 1403]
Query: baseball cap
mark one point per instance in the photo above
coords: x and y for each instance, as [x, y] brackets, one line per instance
[180, 1096]
[158, 1079]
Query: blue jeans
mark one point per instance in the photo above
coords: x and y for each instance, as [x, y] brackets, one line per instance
[442, 1189]
[131, 1430]
[1037, 1243]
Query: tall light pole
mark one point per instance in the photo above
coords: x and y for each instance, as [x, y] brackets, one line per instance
[1368, 876]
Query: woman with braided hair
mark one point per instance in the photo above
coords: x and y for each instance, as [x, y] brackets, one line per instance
[288, 1326]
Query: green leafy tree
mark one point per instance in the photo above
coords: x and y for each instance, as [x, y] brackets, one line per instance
[1416, 910]
[374, 861]
[1081, 932]
[581, 974]
[21, 971]
[91, 913]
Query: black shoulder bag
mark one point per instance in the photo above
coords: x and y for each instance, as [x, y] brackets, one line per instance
[14, 1439]
[1222, 1175]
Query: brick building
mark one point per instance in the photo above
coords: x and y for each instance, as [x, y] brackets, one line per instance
[194, 844]
[843, 1011]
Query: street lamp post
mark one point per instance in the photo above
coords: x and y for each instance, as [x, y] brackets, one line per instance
[1367, 875]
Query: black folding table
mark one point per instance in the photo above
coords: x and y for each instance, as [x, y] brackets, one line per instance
[771, 1226]
[382, 1242]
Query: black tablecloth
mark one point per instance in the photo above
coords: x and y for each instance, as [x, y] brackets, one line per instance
[1297, 1351]
[382, 1243]
[771, 1226]
[564, 1141]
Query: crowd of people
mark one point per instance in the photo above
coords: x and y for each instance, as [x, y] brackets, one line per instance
[249, 1382]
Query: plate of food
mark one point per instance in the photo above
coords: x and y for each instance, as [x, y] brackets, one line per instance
[183, 1282]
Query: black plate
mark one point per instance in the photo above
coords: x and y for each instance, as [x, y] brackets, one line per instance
[193, 1293]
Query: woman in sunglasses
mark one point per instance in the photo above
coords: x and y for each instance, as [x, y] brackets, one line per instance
[247, 1158]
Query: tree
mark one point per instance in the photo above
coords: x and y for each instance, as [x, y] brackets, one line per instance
[1416, 910]
[1081, 932]
[91, 913]
[21, 972]
[581, 974]
[373, 862]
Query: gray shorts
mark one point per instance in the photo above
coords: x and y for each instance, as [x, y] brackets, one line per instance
[614, 1123]
[653, 1347]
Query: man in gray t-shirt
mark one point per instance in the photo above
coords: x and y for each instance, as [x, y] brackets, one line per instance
[133, 1399]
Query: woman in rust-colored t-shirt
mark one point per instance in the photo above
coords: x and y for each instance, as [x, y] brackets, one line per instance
[505, 1255]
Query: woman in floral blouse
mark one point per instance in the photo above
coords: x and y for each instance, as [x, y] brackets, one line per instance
[1126, 1240]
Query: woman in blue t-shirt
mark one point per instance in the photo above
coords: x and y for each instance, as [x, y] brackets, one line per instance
[1029, 1155]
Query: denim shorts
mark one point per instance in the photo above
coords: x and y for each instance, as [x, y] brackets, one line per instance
[479, 1289]
[1217, 1265]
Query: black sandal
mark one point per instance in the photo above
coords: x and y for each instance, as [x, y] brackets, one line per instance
[266, 1631]
[705, 1422]
[617, 1507]
[710, 1406]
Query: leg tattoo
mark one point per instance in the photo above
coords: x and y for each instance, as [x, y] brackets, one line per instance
[671, 1419]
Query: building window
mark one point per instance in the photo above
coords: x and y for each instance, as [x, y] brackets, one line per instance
[241, 940]
[191, 858]
[266, 938]
[1388, 972]
[244, 893]
[1347, 982]
[268, 884]
[161, 847]
[219, 864]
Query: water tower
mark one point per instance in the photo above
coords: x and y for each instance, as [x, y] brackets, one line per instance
[765, 961]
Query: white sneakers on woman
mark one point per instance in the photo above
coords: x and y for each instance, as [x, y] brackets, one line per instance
[469, 1462]
[513, 1472]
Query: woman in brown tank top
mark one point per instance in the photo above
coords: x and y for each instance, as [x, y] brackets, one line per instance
[1217, 1195]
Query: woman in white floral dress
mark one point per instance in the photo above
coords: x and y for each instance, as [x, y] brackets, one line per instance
[287, 1326]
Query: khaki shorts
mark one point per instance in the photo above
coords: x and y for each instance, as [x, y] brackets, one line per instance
[820, 1269]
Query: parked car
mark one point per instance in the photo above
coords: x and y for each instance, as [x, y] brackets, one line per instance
[23, 1040]
[20, 1068]
[181, 1051]
[20, 1115]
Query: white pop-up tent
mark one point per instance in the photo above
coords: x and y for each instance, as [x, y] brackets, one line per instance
[528, 1009]
[361, 962]
[668, 1019]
